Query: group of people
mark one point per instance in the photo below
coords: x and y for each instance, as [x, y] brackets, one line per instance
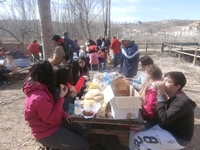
[55, 83]
[52, 86]
[166, 109]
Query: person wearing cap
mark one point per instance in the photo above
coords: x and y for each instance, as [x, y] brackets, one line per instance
[58, 53]
[129, 57]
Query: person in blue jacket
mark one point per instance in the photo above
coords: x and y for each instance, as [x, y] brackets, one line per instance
[129, 57]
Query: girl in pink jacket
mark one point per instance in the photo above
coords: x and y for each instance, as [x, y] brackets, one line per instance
[148, 93]
[50, 124]
[94, 61]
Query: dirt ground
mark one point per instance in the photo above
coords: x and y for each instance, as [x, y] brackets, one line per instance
[15, 133]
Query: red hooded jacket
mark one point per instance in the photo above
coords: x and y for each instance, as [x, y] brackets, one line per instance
[115, 46]
[34, 48]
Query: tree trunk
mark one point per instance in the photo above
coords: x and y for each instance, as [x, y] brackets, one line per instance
[46, 27]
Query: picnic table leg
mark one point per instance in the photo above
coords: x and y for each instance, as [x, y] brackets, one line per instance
[124, 139]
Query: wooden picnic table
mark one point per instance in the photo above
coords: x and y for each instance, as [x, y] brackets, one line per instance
[109, 126]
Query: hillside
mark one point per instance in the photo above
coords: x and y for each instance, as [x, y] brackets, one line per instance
[155, 26]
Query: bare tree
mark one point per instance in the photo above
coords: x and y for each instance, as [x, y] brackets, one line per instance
[16, 22]
[84, 11]
[46, 26]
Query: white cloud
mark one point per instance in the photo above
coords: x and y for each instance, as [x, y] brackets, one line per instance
[122, 14]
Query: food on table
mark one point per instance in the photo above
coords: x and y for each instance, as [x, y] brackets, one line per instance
[91, 85]
[94, 94]
[89, 102]
[62, 86]
[88, 113]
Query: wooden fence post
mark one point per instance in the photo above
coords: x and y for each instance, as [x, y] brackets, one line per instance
[170, 49]
[146, 47]
[195, 57]
[162, 47]
[180, 53]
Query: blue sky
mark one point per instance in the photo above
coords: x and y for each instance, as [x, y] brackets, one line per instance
[154, 10]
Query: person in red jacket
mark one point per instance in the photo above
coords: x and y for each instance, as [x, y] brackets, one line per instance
[33, 48]
[102, 56]
[50, 124]
[115, 46]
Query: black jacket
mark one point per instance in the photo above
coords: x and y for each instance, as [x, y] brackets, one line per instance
[175, 115]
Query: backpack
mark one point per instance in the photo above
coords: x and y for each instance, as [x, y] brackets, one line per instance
[68, 51]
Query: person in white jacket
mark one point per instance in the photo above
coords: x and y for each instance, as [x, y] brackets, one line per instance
[143, 62]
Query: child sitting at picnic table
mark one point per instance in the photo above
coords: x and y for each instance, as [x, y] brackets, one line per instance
[173, 126]
[50, 124]
[143, 62]
[61, 78]
[8, 68]
[149, 93]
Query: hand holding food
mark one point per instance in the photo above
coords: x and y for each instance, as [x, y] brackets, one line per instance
[86, 78]
[72, 89]
[73, 94]
[63, 90]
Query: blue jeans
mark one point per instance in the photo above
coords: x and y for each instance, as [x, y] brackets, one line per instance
[116, 60]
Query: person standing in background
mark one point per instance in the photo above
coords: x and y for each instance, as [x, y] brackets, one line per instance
[115, 46]
[107, 40]
[82, 51]
[33, 48]
[58, 53]
[99, 42]
[129, 57]
[77, 47]
[69, 45]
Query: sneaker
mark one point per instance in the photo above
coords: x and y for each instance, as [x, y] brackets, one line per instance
[7, 82]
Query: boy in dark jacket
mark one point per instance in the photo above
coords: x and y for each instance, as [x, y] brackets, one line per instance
[172, 127]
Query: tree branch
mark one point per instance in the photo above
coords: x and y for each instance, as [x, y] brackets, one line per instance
[11, 34]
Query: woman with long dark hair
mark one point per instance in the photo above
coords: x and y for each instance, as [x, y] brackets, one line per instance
[49, 123]
[83, 66]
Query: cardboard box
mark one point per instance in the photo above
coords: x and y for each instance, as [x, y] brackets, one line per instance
[123, 107]
[119, 87]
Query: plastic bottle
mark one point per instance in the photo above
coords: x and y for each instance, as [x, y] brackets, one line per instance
[77, 106]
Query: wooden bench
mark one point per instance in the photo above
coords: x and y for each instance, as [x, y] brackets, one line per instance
[20, 74]
[109, 126]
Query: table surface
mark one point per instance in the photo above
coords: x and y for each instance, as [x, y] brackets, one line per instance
[108, 120]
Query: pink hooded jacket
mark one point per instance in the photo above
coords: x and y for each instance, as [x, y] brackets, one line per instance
[44, 116]
[93, 58]
[149, 106]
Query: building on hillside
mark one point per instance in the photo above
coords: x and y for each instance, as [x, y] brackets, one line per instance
[190, 30]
